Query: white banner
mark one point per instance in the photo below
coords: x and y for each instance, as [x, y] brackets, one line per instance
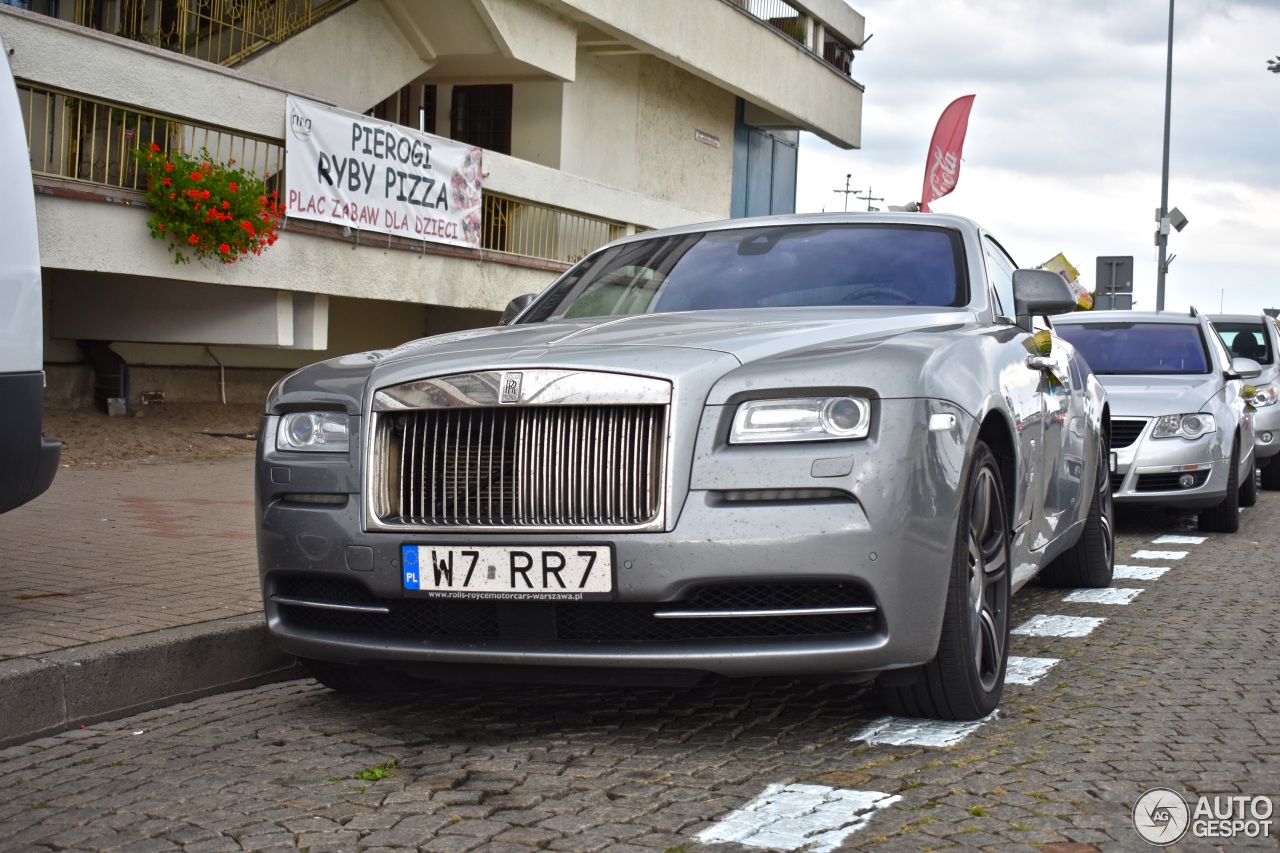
[373, 175]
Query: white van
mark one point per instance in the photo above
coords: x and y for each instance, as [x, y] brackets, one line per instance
[28, 461]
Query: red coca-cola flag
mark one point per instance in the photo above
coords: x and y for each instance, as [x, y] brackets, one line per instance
[942, 169]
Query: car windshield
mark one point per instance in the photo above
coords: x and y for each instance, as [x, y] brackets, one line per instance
[773, 267]
[1112, 348]
[1245, 340]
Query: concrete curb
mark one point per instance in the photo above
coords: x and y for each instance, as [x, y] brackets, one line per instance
[49, 693]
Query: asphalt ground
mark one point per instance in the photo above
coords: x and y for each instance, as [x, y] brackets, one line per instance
[1176, 689]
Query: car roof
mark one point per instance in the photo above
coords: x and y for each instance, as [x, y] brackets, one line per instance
[944, 220]
[1130, 317]
[1238, 318]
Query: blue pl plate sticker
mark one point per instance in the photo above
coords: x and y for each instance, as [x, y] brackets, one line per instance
[409, 558]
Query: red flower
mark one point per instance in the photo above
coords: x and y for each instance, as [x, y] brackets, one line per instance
[166, 182]
[226, 205]
[205, 193]
[160, 226]
[168, 167]
[196, 176]
[224, 248]
[232, 186]
[193, 239]
[155, 147]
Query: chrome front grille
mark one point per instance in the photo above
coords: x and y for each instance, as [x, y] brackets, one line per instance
[563, 466]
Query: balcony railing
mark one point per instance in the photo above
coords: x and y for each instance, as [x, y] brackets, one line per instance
[79, 139]
[220, 31]
[538, 231]
[75, 138]
[800, 28]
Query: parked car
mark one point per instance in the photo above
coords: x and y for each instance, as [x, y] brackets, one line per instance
[1257, 337]
[827, 446]
[1181, 426]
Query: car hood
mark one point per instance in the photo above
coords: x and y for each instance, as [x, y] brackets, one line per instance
[1152, 396]
[747, 335]
[695, 348]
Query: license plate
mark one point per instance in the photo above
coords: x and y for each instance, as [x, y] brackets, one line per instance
[512, 572]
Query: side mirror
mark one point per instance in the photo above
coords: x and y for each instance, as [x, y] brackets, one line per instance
[516, 307]
[1037, 292]
[1245, 368]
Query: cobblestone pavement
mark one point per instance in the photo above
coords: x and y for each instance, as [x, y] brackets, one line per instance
[1176, 689]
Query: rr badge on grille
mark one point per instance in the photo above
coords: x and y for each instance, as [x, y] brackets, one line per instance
[510, 392]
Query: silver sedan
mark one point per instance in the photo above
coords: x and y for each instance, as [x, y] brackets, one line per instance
[1257, 337]
[1181, 425]
[825, 446]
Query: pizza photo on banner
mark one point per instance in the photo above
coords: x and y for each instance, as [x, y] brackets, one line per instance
[373, 175]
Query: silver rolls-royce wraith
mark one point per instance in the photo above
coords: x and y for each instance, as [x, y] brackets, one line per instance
[825, 446]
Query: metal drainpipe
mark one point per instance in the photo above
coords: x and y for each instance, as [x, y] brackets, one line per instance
[222, 374]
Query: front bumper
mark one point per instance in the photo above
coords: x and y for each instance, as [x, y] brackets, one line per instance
[1151, 471]
[1266, 432]
[888, 541]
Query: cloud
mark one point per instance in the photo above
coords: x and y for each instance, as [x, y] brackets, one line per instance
[1065, 140]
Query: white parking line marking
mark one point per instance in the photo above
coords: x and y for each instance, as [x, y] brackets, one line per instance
[788, 817]
[1179, 540]
[1059, 626]
[1104, 596]
[909, 731]
[1138, 573]
[1027, 670]
[1159, 555]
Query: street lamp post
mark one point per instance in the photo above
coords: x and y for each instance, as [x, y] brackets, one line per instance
[1162, 234]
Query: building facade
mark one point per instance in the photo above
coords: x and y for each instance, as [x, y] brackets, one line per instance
[597, 118]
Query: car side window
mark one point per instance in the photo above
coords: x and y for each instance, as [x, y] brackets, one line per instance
[1224, 357]
[1000, 270]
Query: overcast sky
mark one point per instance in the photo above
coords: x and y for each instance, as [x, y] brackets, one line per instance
[1063, 152]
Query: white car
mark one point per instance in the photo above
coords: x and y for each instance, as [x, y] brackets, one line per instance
[1181, 426]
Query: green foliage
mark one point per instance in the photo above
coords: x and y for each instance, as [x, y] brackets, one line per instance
[206, 209]
[385, 770]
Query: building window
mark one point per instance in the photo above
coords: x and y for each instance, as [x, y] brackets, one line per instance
[427, 112]
[481, 116]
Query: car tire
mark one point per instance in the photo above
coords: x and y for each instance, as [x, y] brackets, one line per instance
[1249, 488]
[1090, 562]
[1271, 475]
[348, 678]
[965, 679]
[1225, 517]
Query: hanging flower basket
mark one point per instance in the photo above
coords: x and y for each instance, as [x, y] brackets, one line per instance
[205, 209]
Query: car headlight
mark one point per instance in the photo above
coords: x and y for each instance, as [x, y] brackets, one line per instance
[1183, 426]
[1263, 395]
[801, 419]
[328, 432]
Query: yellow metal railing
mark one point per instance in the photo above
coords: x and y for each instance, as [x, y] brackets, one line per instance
[537, 231]
[75, 138]
[81, 139]
[221, 31]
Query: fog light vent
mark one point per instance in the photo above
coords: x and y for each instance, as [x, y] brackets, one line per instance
[1186, 481]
